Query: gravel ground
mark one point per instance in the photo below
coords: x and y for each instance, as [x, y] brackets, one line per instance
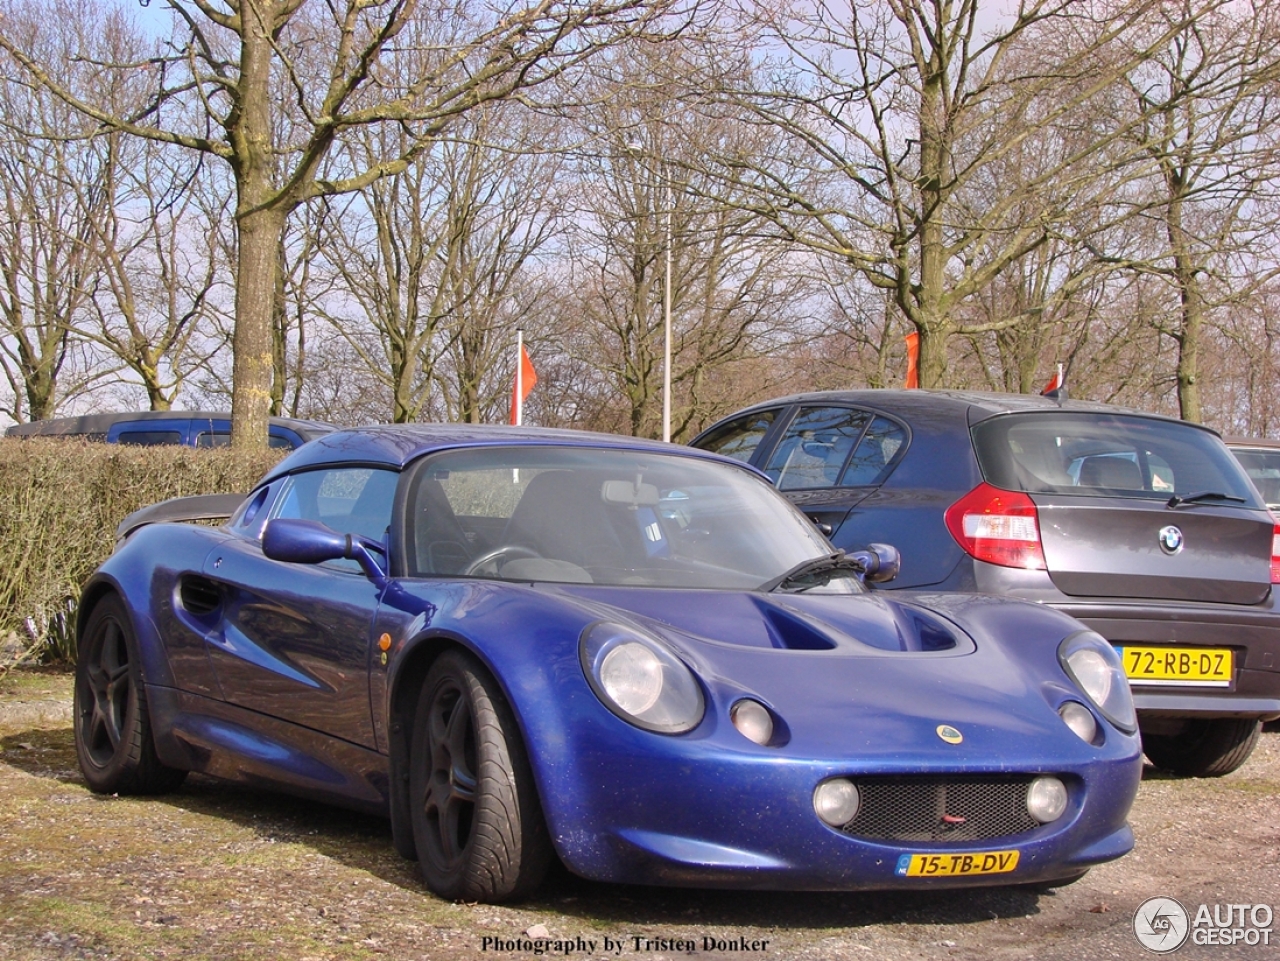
[214, 871]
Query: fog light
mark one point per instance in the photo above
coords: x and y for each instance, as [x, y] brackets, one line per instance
[1080, 719]
[753, 721]
[1046, 799]
[836, 801]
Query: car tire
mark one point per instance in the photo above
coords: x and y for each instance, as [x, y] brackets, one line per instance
[114, 741]
[477, 824]
[1205, 748]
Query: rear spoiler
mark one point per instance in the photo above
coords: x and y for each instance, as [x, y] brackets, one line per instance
[202, 507]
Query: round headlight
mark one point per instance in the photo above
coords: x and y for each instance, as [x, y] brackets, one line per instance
[836, 801]
[1046, 799]
[1080, 719]
[638, 678]
[753, 720]
[1096, 669]
[631, 675]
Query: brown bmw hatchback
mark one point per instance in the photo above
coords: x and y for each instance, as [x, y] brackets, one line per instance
[1143, 527]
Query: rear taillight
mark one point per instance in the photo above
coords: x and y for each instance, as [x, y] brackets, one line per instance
[1001, 527]
[1275, 554]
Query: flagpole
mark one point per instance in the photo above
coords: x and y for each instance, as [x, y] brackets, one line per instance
[519, 376]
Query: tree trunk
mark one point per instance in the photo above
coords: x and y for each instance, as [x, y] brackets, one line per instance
[928, 307]
[260, 221]
[1186, 276]
[257, 266]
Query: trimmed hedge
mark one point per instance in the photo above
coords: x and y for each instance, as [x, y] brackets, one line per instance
[60, 502]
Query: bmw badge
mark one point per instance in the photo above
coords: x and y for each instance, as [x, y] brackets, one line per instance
[1170, 539]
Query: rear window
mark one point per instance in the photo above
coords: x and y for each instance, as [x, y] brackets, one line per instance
[1110, 455]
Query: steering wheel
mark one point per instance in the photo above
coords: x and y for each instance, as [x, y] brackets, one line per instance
[489, 557]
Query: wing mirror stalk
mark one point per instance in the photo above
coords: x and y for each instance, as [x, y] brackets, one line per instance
[297, 541]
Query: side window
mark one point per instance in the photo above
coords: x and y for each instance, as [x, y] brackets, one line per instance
[740, 438]
[350, 500]
[817, 444]
[210, 438]
[149, 438]
[877, 449]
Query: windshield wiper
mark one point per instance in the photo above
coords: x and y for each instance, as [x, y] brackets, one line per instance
[826, 564]
[1176, 501]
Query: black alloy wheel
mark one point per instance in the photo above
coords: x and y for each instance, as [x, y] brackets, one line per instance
[114, 742]
[477, 824]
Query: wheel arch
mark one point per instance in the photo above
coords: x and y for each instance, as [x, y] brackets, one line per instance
[151, 648]
[402, 704]
[93, 593]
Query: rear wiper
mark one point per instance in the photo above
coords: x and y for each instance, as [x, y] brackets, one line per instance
[1176, 501]
[827, 563]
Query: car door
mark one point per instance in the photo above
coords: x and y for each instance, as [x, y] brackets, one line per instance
[745, 437]
[828, 459]
[294, 640]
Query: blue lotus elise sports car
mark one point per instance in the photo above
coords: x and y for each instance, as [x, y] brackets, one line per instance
[523, 645]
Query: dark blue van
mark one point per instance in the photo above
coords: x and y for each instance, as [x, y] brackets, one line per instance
[149, 428]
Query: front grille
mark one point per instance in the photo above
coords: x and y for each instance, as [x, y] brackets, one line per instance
[941, 810]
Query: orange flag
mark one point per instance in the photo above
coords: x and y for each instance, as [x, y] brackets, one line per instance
[1056, 384]
[525, 378]
[913, 359]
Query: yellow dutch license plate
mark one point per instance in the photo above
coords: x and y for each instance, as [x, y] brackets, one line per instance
[956, 865]
[1185, 666]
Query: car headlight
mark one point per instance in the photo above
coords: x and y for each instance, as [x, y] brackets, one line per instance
[1095, 667]
[638, 678]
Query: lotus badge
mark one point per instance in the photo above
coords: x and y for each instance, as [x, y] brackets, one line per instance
[949, 734]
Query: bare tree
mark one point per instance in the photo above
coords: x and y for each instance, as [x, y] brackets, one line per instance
[431, 267]
[654, 239]
[897, 110]
[1210, 137]
[216, 91]
[159, 264]
[56, 186]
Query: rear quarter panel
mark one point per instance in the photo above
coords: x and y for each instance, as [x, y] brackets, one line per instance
[145, 572]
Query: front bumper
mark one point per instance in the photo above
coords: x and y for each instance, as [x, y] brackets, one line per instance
[685, 819]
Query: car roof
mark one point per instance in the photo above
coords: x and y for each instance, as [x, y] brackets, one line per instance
[1261, 443]
[102, 423]
[976, 405]
[395, 445]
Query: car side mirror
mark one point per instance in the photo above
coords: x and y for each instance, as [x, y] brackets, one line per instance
[297, 541]
[880, 562]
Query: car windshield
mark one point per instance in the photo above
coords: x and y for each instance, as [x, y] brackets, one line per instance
[601, 516]
[1263, 467]
[1110, 455]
